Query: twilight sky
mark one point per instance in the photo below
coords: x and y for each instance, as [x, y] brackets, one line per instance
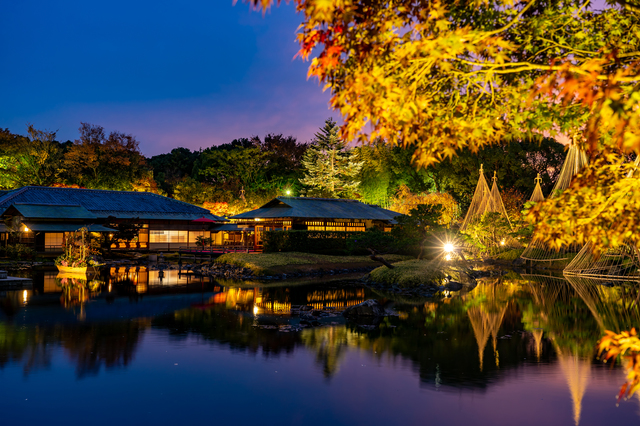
[190, 74]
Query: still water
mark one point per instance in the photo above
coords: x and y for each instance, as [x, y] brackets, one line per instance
[131, 347]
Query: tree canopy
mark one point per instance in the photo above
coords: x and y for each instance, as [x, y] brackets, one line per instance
[440, 76]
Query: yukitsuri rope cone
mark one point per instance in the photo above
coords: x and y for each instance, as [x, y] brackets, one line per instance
[613, 263]
[537, 195]
[484, 201]
[478, 202]
[495, 203]
[538, 250]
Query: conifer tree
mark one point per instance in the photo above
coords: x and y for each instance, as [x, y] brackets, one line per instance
[330, 168]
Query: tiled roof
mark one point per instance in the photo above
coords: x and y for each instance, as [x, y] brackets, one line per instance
[103, 203]
[316, 208]
[48, 211]
[65, 227]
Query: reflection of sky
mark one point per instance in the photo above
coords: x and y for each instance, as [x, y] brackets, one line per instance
[190, 382]
[194, 74]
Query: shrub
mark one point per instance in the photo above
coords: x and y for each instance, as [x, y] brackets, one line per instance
[373, 238]
[18, 252]
[334, 242]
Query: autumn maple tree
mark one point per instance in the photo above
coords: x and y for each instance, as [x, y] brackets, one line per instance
[439, 76]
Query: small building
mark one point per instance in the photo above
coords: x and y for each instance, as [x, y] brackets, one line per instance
[314, 214]
[40, 216]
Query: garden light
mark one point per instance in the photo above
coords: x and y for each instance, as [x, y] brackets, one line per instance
[448, 248]
[288, 192]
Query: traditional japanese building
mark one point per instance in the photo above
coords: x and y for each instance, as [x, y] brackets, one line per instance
[40, 216]
[314, 214]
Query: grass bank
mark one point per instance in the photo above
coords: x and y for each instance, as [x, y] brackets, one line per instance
[410, 273]
[294, 262]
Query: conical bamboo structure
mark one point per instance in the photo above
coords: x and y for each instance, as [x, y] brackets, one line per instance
[478, 202]
[484, 201]
[495, 203]
[538, 250]
[537, 195]
[613, 263]
[620, 263]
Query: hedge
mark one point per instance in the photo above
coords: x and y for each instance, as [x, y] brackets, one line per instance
[307, 241]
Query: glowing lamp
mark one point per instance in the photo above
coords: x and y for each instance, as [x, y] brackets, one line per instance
[288, 192]
[26, 229]
[448, 248]
[24, 296]
[255, 309]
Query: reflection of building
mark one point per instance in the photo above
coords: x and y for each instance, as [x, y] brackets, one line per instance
[42, 216]
[278, 300]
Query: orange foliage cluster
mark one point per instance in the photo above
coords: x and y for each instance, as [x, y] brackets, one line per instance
[627, 346]
[64, 185]
[221, 208]
[405, 201]
[146, 184]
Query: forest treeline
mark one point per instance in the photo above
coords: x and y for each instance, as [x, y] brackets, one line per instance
[247, 172]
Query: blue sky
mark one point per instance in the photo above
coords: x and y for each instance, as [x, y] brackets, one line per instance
[190, 74]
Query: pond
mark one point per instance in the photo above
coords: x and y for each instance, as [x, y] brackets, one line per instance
[131, 347]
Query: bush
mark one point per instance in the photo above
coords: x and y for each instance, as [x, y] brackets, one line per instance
[373, 238]
[334, 242]
[18, 252]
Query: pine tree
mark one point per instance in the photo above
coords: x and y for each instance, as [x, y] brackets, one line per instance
[330, 168]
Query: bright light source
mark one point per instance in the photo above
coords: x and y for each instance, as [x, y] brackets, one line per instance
[448, 248]
[288, 192]
[502, 242]
[255, 310]
[24, 296]
[26, 229]
[447, 257]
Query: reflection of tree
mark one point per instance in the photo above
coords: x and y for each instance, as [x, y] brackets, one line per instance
[561, 313]
[110, 345]
[231, 328]
[89, 346]
[329, 344]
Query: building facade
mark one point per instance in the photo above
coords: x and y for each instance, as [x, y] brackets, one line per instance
[314, 214]
[40, 217]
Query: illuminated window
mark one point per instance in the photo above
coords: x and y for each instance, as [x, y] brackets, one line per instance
[53, 239]
[168, 236]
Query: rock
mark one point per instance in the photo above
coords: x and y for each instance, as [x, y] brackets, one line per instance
[368, 308]
[454, 286]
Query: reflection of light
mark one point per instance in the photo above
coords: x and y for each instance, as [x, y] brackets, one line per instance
[24, 296]
[447, 257]
[109, 288]
[255, 309]
[448, 247]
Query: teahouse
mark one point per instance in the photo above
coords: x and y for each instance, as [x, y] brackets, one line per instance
[314, 214]
[39, 217]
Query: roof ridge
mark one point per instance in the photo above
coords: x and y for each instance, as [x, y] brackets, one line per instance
[322, 199]
[13, 193]
[45, 204]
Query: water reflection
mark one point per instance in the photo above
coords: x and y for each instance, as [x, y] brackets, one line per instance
[468, 344]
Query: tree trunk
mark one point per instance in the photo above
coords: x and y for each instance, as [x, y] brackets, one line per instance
[377, 258]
